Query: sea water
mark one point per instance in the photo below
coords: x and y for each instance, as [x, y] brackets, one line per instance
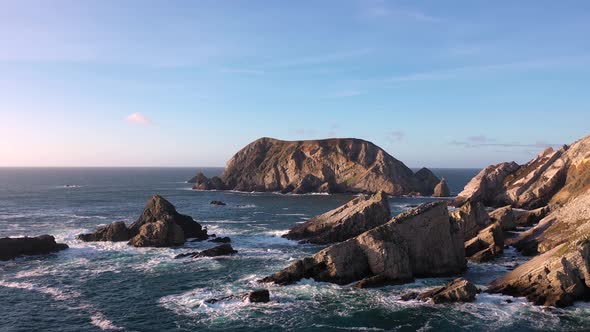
[112, 286]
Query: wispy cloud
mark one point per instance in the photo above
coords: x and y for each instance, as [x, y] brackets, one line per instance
[483, 141]
[138, 118]
[380, 8]
[396, 135]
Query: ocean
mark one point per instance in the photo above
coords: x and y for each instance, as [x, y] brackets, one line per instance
[112, 286]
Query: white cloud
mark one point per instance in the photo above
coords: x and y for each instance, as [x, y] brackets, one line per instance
[138, 118]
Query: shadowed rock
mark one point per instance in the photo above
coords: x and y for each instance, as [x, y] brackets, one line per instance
[345, 222]
[222, 250]
[487, 245]
[460, 290]
[220, 203]
[116, 231]
[331, 165]
[224, 239]
[11, 248]
[418, 243]
[471, 218]
[255, 296]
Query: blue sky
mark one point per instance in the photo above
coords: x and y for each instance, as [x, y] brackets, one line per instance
[188, 83]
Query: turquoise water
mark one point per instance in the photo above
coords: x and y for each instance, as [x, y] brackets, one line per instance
[111, 286]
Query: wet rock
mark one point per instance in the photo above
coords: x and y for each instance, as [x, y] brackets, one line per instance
[161, 226]
[419, 242]
[347, 221]
[11, 248]
[460, 290]
[224, 239]
[220, 203]
[255, 296]
[115, 232]
[222, 250]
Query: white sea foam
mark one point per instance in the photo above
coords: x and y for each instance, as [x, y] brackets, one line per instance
[291, 214]
[55, 293]
[100, 321]
[246, 206]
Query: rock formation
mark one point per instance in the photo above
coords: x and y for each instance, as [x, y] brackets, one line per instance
[510, 218]
[11, 248]
[220, 203]
[420, 242]
[471, 217]
[331, 165]
[553, 177]
[487, 245]
[158, 226]
[224, 239]
[347, 221]
[116, 231]
[255, 296]
[221, 250]
[460, 290]
[442, 189]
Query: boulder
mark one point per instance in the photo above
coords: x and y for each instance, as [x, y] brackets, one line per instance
[460, 290]
[115, 232]
[442, 189]
[422, 242]
[222, 250]
[471, 218]
[11, 248]
[255, 296]
[331, 165]
[557, 278]
[505, 218]
[224, 239]
[347, 221]
[487, 245]
[161, 226]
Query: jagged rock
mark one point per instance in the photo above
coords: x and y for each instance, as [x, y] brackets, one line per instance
[487, 245]
[505, 218]
[510, 218]
[460, 290]
[222, 250]
[221, 240]
[417, 243]
[345, 222]
[161, 226]
[255, 296]
[553, 177]
[471, 218]
[201, 182]
[442, 189]
[219, 203]
[116, 231]
[11, 248]
[557, 278]
[331, 165]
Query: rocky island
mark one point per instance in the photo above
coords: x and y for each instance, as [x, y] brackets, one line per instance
[330, 166]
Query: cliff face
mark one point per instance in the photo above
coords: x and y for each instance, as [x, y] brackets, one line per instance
[554, 176]
[331, 165]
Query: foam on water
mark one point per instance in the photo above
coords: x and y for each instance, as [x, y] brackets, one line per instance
[100, 321]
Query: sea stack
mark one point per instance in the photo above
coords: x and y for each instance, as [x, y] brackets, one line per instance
[11, 248]
[330, 165]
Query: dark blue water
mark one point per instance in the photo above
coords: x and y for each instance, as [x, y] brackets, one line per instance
[111, 286]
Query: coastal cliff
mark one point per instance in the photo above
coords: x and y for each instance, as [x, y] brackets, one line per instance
[330, 165]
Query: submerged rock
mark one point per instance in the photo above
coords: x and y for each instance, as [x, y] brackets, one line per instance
[442, 189]
[347, 221]
[460, 290]
[420, 242]
[255, 296]
[116, 231]
[222, 250]
[220, 203]
[224, 239]
[331, 165]
[161, 226]
[11, 248]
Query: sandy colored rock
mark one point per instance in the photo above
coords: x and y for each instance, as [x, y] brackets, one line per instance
[487, 245]
[460, 290]
[331, 165]
[442, 189]
[347, 221]
[471, 218]
[486, 185]
[420, 242]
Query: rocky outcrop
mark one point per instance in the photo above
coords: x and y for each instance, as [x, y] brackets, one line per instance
[201, 182]
[161, 226]
[11, 248]
[557, 278]
[460, 290]
[347, 221]
[471, 217]
[331, 165]
[255, 296]
[487, 245]
[219, 203]
[420, 242]
[116, 231]
[222, 250]
[553, 177]
[441, 189]
[224, 239]
[510, 218]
